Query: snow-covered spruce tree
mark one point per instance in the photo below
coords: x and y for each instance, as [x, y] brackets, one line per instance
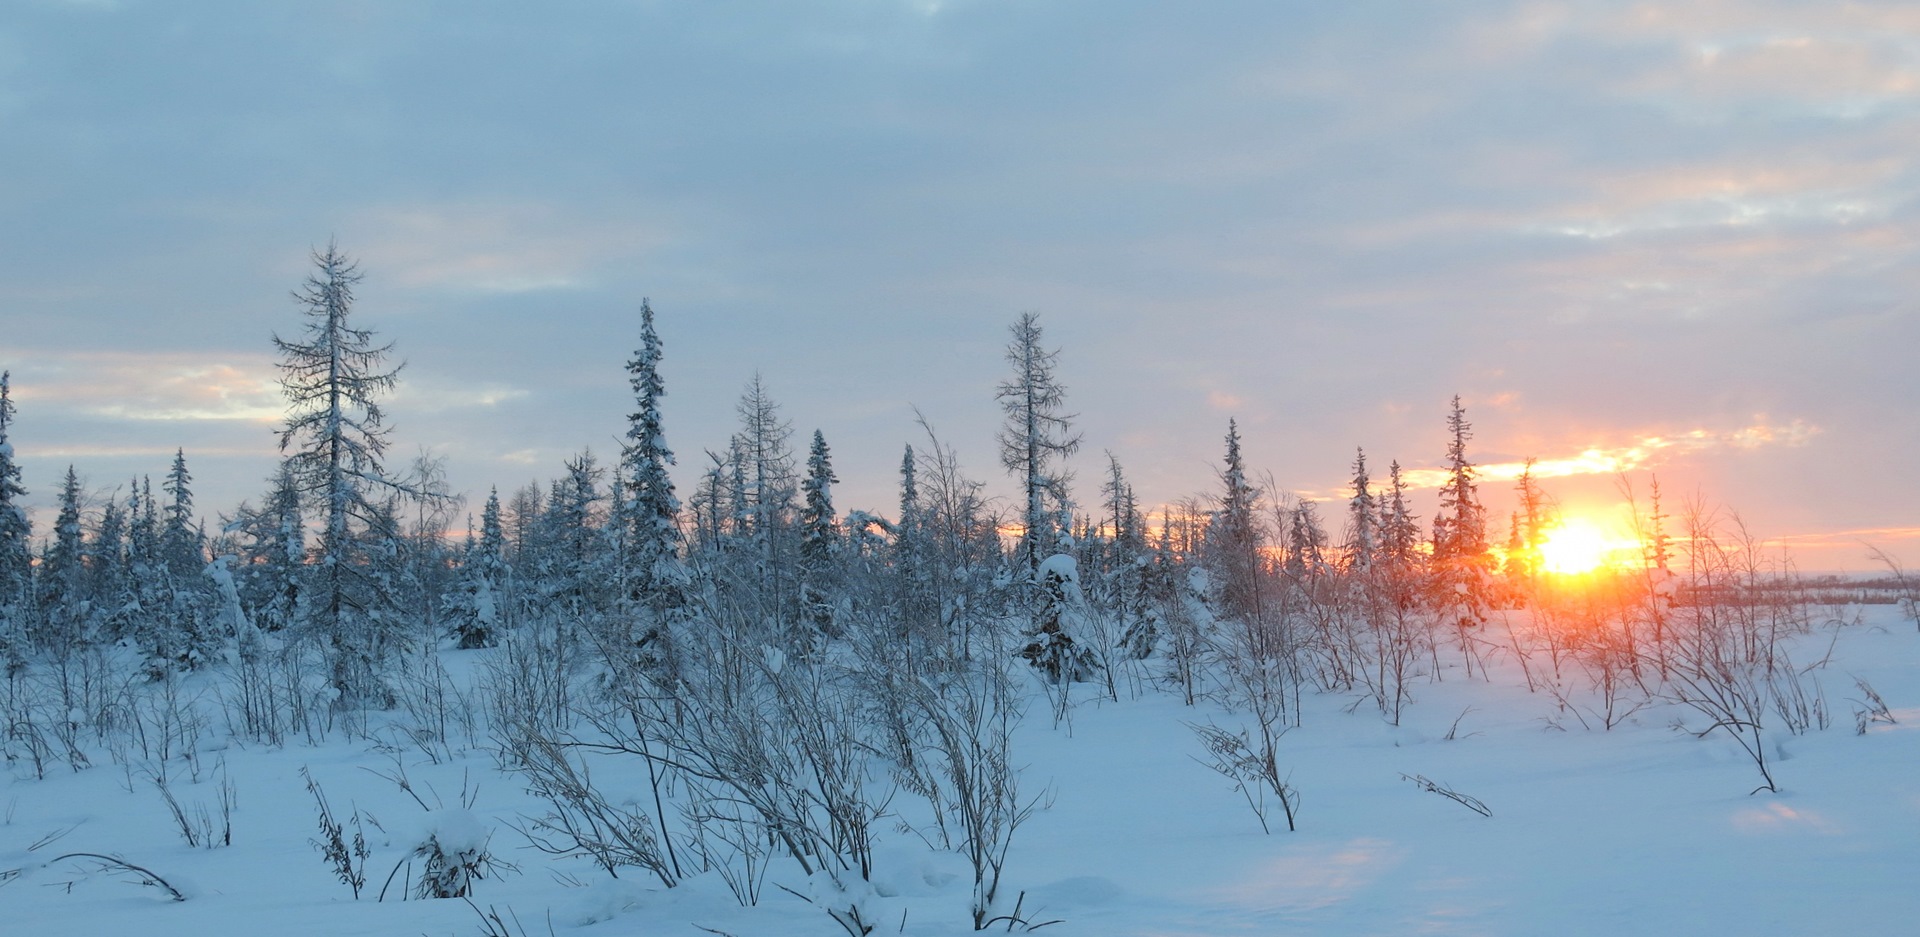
[107, 580]
[1460, 558]
[1363, 537]
[145, 570]
[167, 615]
[916, 608]
[1233, 538]
[1060, 643]
[62, 578]
[394, 593]
[16, 534]
[573, 570]
[334, 438]
[1399, 528]
[654, 577]
[474, 611]
[182, 545]
[272, 546]
[1035, 440]
[184, 631]
[819, 536]
[1123, 580]
[1306, 542]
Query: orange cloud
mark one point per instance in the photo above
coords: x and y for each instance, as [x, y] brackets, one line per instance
[1647, 451]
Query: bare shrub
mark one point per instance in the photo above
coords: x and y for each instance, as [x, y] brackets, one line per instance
[952, 744]
[1906, 585]
[1732, 694]
[1253, 767]
[1869, 709]
[347, 858]
[579, 820]
[197, 826]
[1727, 660]
[1468, 801]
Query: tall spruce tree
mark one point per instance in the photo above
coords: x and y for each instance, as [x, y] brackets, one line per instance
[651, 522]
[907, 529]
[62, 577]
[819, 525]
[1460, 526]
[1036, 439]
[1233, 538]
[108, 583]
[144, 564]
[1460, 556]
[917, 607]
[180, 540]
[1399, 528]
[1122, 585]
[1363, 537]
[335, 437]
[819, 534]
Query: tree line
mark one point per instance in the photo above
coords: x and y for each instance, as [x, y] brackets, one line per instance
[348, 552]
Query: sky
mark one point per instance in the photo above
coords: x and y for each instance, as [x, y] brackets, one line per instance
[1671, 239]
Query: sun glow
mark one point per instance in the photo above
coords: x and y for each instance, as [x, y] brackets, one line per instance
[1576, 545]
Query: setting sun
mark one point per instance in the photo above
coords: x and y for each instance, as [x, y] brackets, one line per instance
[1575, 546]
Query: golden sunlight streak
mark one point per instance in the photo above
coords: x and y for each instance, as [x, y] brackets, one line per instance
[1645, 452]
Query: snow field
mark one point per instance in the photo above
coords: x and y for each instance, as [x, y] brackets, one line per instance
[1644, 829]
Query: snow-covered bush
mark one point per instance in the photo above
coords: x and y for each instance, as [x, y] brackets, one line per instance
[454, 854]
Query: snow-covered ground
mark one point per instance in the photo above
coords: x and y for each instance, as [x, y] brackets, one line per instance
[1644, 829]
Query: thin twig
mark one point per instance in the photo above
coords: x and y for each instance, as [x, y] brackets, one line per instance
[147, 877]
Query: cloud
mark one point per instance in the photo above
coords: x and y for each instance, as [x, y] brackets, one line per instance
[1846, 538]
[438, 394]
[127, 452]
[1221, 400]
[1649, 451]
[150, 387]
[1737, 193]
[163, 387]
[496, 246]
[1789, 71]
